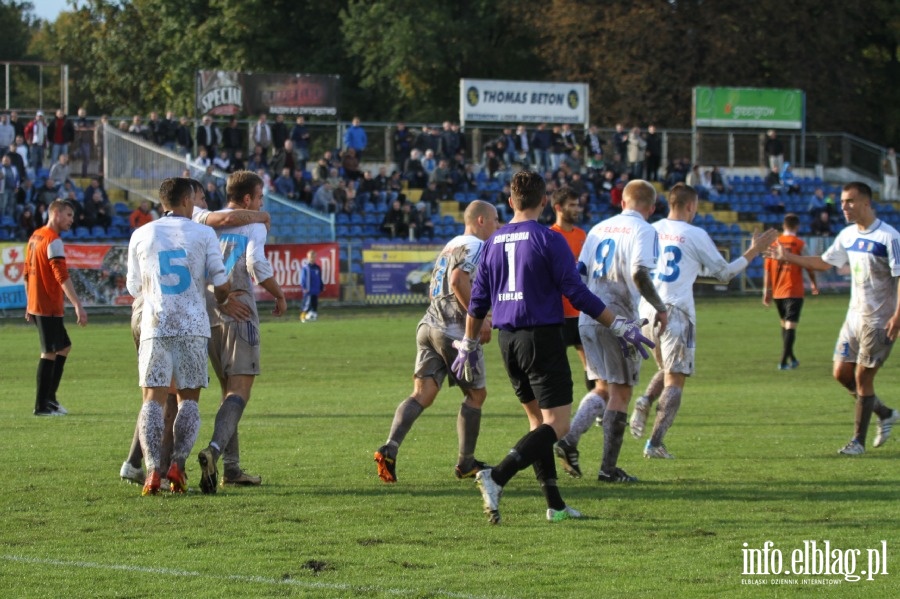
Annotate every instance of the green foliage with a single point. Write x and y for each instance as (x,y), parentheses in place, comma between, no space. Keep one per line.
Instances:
(756,461)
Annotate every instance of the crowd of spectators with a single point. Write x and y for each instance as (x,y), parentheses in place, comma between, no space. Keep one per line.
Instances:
(438,162)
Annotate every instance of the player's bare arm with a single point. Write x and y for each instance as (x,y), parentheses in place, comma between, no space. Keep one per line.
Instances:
(274,289)
(237,218)
(809,262)
(893,325)
(645,286)
(80,314)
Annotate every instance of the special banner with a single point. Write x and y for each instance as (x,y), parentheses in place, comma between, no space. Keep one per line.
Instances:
(233,93)
(523,101)
(749,107)
(98,272)
(398,274)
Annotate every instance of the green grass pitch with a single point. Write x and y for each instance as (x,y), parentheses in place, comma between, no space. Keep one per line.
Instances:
(756,462)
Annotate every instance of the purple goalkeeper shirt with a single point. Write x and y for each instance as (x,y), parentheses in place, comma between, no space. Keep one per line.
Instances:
(525,269)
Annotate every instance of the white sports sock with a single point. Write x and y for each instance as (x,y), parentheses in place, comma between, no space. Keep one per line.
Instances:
(150,425)
(591,406)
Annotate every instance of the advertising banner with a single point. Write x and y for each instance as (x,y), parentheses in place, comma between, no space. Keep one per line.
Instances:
(749,107)
(523,101)
(398,274)
(98,272)
(233,93)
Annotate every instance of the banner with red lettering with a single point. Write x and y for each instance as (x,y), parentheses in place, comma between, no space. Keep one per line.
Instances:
(98,272)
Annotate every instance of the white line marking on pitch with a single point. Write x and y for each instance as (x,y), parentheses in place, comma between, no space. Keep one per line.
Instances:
(234,577)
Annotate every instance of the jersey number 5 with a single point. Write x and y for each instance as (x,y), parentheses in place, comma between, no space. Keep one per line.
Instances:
(168,268)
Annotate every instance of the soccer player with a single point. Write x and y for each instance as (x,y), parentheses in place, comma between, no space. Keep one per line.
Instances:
(444,322)
(618,257)
(47,281)
(784,282)
(522,280)
(685,252)
(872,249)
(131,469)
(169,261)
(234,345)
(568,212)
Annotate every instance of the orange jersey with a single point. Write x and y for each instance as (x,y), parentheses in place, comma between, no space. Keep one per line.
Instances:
(786,279)
(45,269)
(575,238)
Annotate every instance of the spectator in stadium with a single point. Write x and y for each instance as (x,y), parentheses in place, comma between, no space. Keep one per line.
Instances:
(414,172)
(425,141)
(653,153)
(301,137)
(821,225)
(36,138)
(138,128)
(774,150)
(312,284)
(284,184)
(592,142)
(95,185)
(441,326)
(168,129)
(622,274)
(237,162)
(97,211)
(48,192)
(817,203)
(522,145)
(783,282)
(60,133)
(526,307)
(60,171)
(889,168)
(208,136)
(441,176)
(47,281)
(773,202)
(9,184)
(323,199)
(222,162)
(17,124)
(304,188)
(154,128)
(184,141)
(873,320)
(84,136)
(232,137)
(345,196)
(350,164)
(18,156)
(636,152)
(258,159)
(286,156)
(7,134)
(215,200)
(262,134)
(141,215)
(393,222)
(202,161)
(280,132)
(429,163)
(674,351)
(27,224)
(355,137)
(789,183)
(402,140)
(541,145)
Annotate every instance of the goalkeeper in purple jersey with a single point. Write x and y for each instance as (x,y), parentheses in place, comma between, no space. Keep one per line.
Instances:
(521,280)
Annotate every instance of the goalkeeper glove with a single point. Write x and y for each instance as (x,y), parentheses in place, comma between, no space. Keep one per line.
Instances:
(465,366)
(630,337)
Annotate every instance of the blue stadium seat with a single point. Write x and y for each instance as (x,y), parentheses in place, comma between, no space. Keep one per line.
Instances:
(98,232)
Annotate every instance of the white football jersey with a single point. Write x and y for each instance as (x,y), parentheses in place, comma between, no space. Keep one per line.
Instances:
(685,252)
(169,261)
(874,259)
(244,253)
(612,253)
(444,311)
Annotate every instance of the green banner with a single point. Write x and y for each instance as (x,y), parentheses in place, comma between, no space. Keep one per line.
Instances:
(748,107)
